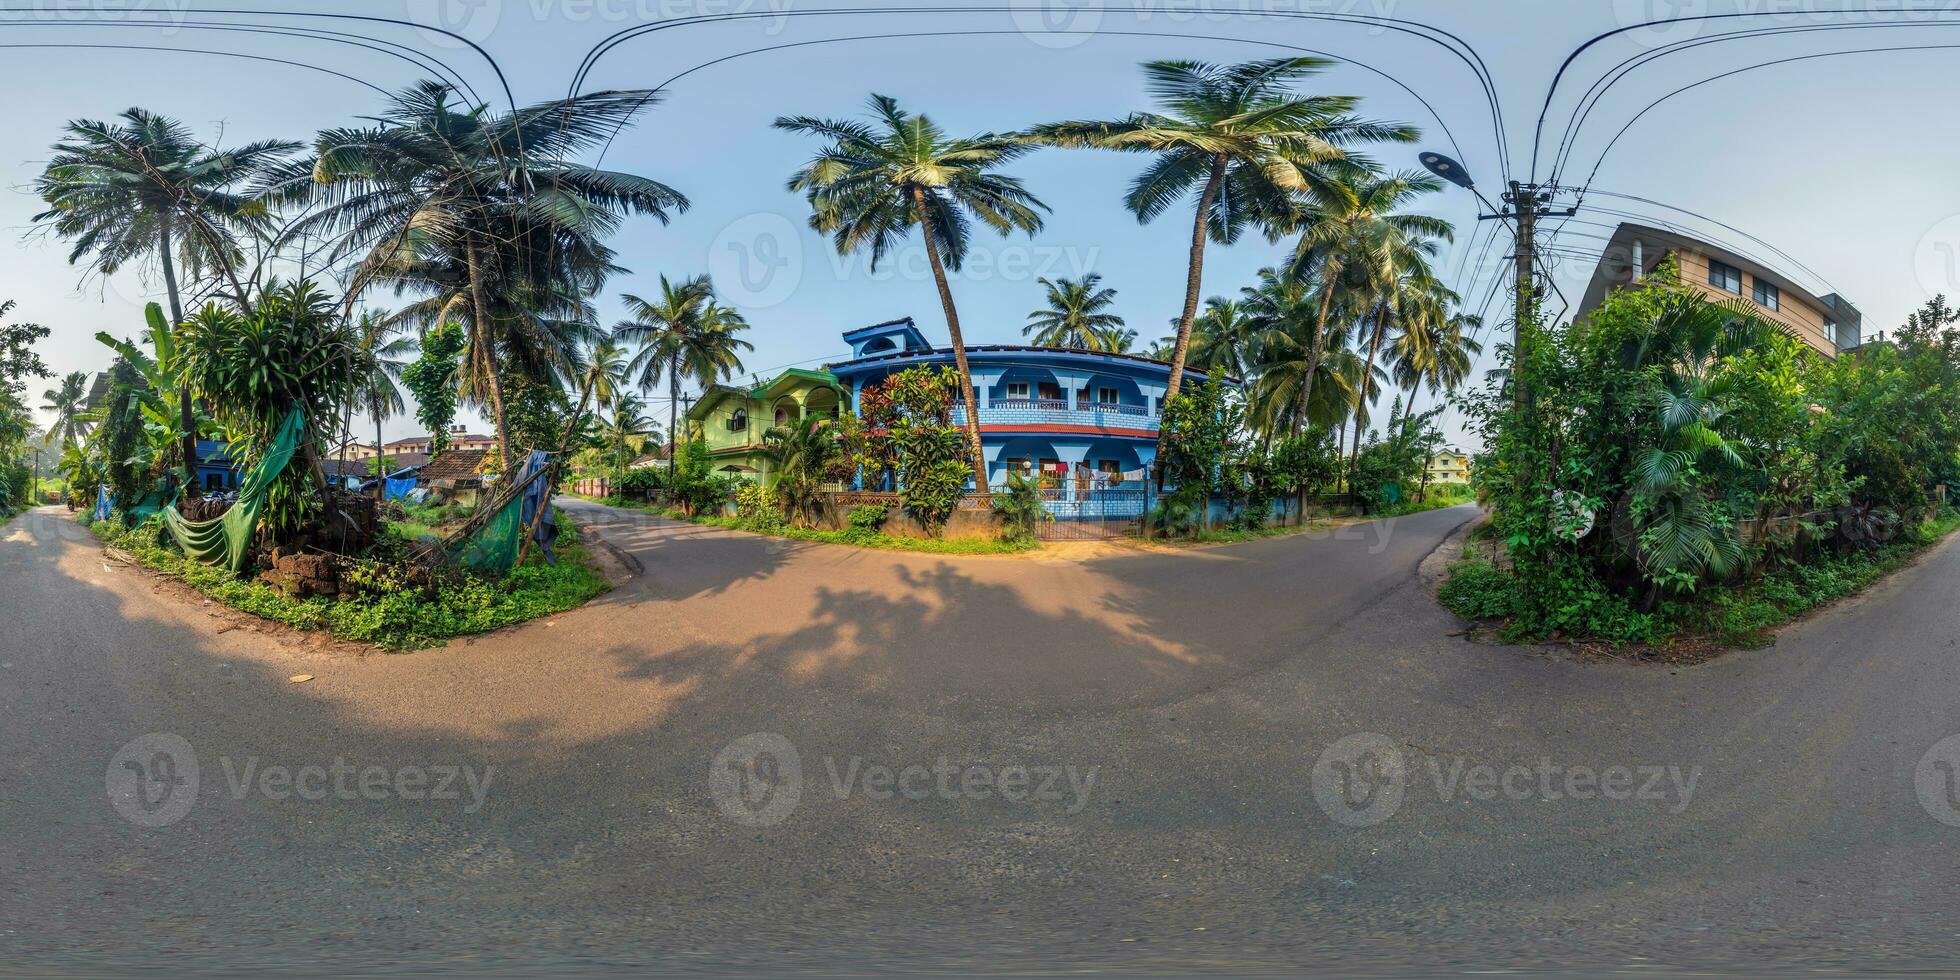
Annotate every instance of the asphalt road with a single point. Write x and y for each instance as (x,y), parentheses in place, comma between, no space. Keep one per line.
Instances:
(1269,756)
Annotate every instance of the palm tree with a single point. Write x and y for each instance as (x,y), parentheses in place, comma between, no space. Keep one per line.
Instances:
(143,186)
(1223,338)
(1238,135)
(67,403)
(627,422)
(1360,242)
(875,181)
(801,454)
(1412,295)
(379,360)
(1283,310)
(1435,352)
(683,334)
(483,212)
(1075,315)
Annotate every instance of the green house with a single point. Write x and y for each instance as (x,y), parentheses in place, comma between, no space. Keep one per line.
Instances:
(733,419)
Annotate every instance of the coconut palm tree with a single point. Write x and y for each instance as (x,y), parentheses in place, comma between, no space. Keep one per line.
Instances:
(143,187)
(1224,338)
(1075,315)
(1361,241)
(1281,312)
(67,403)
(1435,352)
(1239,137)
(683,334)
(379,358)
(874,181)
(801,455)
(487,212)
(628,421)
(1411,297)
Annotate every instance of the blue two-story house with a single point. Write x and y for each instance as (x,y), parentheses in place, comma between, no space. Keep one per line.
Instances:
(1077,419)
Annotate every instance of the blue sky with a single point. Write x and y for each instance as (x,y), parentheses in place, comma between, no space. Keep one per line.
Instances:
(1843,162)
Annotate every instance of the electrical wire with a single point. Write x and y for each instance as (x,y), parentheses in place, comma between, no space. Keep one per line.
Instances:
(367,18)
(1590,101)
(1551,91)
(421,60)
(219,54)
(1462,50)
(1447,133)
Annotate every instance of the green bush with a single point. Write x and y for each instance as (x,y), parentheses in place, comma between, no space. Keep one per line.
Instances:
(1019,509)
(755,508)
(867,523)
(390,606)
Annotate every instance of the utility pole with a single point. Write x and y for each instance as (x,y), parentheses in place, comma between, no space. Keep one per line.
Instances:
(1527,205)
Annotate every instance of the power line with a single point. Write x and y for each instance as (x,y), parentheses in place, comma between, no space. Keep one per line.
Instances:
(1551,91)
(218,54)
(1462,50)
(1447,133)
(1597,93)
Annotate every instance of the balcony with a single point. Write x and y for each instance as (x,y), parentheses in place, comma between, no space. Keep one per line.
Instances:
(1060,411)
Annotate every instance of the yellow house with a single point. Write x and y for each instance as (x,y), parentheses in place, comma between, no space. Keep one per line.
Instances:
(1449,466)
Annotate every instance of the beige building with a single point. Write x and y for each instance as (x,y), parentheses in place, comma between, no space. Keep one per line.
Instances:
(1449,466)
(1829,324)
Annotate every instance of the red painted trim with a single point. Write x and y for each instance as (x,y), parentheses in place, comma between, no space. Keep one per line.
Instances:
(1071,430)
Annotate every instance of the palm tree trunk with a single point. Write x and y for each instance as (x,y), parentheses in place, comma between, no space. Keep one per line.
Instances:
(493,374)
(184,406)
(1319,347)
(1361,390)
(380,466)
(551,472)
(959,343)
(673,403)
(1194,274)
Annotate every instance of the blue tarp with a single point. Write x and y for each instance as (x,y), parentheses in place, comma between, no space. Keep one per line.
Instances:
(534,496)
(398,489)
(104,503)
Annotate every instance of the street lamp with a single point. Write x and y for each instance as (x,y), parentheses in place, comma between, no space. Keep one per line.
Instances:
(1449,170)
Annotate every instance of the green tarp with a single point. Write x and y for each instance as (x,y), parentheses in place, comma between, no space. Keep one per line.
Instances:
(224,540)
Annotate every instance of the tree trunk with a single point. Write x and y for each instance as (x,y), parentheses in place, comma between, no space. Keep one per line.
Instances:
(959,343)
(1319,347)
(1194,274)
(1361,392)
(673,405)
(493,374)
(551,471)
(184,406)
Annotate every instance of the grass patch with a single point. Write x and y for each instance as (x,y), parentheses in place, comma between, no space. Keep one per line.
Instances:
(388,609)
(1724,616)
(855,537)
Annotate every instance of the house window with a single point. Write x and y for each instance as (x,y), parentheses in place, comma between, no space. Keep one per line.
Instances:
(214,481)
(1050,392)
(1111,470)
(1052,472)
(1766,296)
(1019,467)
(1724,276)
(781,416)
(1017,390)
(739,422)
(1106,396)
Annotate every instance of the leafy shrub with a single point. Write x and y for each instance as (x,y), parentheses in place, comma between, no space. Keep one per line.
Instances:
(1476,589)
(642,483)
(1019,509)
(867,523)
(756,508)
